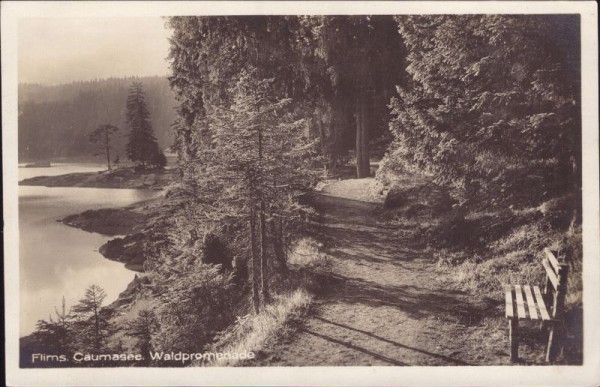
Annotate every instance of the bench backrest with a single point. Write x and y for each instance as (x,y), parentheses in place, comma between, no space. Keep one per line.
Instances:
(556,282)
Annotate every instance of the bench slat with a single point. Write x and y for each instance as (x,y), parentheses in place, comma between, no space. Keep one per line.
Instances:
(520,303)
(550,273)
(509,302)
(552,258)
(541,304)
(530,302)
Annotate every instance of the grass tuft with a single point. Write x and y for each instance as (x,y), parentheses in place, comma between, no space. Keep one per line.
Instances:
(254,332)
(306,254)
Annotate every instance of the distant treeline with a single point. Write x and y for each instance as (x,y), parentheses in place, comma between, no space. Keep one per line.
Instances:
(56,121)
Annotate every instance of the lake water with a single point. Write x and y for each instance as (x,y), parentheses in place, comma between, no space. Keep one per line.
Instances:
(58,260)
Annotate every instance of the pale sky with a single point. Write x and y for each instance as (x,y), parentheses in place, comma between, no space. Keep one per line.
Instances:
(62,50)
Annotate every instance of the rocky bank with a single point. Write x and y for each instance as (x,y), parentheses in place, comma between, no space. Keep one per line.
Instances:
(134,225)
(108,221)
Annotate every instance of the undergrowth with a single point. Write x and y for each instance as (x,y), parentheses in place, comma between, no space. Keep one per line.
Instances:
(254,332)
(481,247)
(515,258)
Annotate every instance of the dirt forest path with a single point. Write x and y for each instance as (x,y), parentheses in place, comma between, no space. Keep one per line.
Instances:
(387,303)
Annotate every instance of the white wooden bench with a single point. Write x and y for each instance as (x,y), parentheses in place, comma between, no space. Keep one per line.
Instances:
(525,302)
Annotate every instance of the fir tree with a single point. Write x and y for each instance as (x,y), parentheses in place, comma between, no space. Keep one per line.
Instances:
(256,165)
(55,335)
(143,327)
(92,326)
(142,146)
(493,106)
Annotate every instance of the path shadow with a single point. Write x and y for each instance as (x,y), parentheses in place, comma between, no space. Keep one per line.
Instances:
(354,347)
(438,356)
(452,306)
(345,222)
(351,230)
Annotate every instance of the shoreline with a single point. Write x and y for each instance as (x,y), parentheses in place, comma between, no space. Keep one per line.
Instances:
(121,178)
(128,225)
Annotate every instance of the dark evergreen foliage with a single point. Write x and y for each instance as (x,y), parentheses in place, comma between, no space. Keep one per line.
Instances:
(207,56)
(364,58)
(143,328)
(340,73)
(91,326)
(56,335)
(493,106)
(142,146)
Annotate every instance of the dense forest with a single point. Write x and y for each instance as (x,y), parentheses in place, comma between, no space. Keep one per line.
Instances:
(484,108)
(55,121)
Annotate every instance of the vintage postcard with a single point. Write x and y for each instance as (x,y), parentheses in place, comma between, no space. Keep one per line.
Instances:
(300,193)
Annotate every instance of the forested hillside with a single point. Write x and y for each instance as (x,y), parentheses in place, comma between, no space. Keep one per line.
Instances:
(56,121)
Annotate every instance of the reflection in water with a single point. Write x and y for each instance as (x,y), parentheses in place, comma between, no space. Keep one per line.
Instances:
(57,260)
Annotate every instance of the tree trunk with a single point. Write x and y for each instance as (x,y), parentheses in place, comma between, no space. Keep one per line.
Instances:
(321,134)
(97,328)
(264,265)
(264,280)
(362,138)
(107,143)
(575,217)
(358,152)
(277,235)
(366,128)
(254,264)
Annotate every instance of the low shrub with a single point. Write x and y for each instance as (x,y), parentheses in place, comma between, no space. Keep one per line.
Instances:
(194,307)
(306,254)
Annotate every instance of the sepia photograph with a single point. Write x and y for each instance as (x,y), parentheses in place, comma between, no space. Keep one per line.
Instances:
(209,189)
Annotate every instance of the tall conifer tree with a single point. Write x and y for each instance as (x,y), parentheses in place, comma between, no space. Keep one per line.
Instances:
(94,328)
(142,146)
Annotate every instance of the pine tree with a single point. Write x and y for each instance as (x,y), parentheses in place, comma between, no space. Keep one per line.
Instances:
(208,54)
(142,146)
(143,327)
(258,164)
(55,335)
(244,84)
(92,326)
(102,135)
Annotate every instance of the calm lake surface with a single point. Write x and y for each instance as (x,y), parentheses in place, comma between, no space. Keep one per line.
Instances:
(57,260)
